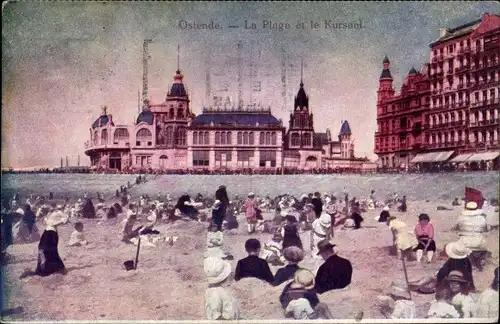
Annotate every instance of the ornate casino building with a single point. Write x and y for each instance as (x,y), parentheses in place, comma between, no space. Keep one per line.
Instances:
(168,136)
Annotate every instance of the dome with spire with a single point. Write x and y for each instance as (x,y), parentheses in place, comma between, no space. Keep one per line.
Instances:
(301,100)
(345,129)
(177,89)
(412,71)
(386,74)
(104,119)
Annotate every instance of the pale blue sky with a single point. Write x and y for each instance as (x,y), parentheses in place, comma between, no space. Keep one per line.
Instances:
(61,61)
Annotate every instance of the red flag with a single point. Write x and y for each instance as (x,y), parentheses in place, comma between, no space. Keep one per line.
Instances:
(475,195)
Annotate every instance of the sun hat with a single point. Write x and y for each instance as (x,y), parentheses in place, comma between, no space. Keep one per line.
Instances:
(456,275)
(216,269)
(386,208)
(400,288)
(303,278)
(251,194)
(471,205)
(324,246)
(309,205)
(457,250)
(293,254)
(325,220)
(304,196)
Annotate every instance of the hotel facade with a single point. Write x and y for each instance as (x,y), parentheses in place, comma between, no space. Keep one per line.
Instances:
(168,136)
(459,125)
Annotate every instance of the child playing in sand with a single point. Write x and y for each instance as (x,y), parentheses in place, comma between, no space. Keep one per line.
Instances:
(220,304)
(215,242)
(398,305)
(77,238)
(300,301)
(272,250)
(440,307)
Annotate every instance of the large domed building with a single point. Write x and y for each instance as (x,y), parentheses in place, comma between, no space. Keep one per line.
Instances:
(168,136)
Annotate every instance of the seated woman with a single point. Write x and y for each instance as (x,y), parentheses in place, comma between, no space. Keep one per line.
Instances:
(424,231)
(458,260)
(186,207)
(384,215)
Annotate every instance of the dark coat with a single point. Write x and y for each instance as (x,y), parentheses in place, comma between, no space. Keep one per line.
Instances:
(335,273)
(6,235)
(290,294)
(48,247)
(284,274)
(88,210)
(291,237)
(463,265)
(318,206)
(253,266)
(29,218)
(188,210)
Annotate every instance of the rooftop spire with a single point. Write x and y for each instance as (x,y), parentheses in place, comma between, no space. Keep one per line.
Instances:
(301,72)
(178,57)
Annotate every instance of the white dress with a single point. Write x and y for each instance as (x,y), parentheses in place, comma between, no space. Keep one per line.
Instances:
(487,304)
(441,309)
(472,225)
(221,304)
(403,309)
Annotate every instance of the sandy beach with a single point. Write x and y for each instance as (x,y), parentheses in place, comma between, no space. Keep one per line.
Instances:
(169,283)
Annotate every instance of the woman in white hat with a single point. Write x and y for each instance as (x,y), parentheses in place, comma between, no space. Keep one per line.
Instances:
(472,225)
(460,288)
(321,230)
(49,261)
(220,304)
(458,260)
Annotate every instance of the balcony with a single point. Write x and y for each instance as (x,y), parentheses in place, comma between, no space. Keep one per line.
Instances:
(492,45)
(482,123)
(116,145)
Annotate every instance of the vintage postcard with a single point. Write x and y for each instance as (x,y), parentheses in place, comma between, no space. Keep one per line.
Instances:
(250,161)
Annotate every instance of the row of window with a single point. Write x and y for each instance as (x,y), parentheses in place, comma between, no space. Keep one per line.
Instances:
(461,116)
(242,138)
(463,81)
(462,63)
(463,45)
(404,105)
(201,157)
(301,121)
(304,140)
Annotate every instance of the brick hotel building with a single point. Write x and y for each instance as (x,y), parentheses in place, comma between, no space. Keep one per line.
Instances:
(460,122)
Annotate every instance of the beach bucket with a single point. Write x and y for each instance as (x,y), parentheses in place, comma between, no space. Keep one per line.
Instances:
(128,265)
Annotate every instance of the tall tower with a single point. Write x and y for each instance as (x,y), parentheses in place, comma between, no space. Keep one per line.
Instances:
(301,128)
(385,90)
(346,142)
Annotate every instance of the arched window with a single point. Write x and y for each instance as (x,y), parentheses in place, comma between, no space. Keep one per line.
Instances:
(181,136)
(169,135)
(250,138)
(104,137)
(295,139)
(268,138)
(262,138)
(446,118)
(245,138)
(144,135)
(440,119)
(273,138)
(434,121)
(228,138)
(195,138)
(217,138)
(163,161)
(207,138)
(96,137)
(120,134)
(223,138)
(240,138)
(180,113)
(171,113)
(306,139)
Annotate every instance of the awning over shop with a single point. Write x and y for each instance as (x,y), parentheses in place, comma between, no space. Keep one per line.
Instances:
(486,156)
(425,157)
(461,158)
(443,156)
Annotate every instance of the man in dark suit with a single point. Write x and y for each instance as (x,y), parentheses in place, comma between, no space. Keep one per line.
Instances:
(252,265)
(335,273)
(318,204)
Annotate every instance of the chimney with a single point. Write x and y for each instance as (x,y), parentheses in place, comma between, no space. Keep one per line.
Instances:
(67,162)
(78,160)
(61,162)
(442,32)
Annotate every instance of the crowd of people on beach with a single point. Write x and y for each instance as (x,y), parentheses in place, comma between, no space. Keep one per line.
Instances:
(318,215)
